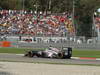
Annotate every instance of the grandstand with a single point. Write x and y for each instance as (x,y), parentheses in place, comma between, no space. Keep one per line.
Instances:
(20,26)
(27,23)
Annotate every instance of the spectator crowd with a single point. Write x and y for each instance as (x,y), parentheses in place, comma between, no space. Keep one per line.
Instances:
(28,23)
(97,21)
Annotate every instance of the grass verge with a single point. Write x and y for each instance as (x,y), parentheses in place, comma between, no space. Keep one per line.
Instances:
(16,50)
(86,53)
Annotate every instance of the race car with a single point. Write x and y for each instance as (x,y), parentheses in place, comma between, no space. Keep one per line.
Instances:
(51,52)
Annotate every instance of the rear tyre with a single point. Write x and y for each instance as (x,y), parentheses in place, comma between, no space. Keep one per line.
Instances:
(60,55)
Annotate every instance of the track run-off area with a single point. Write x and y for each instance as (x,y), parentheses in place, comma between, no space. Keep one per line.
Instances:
(21,58)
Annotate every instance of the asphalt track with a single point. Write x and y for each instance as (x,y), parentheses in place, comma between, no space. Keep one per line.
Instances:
(21,58)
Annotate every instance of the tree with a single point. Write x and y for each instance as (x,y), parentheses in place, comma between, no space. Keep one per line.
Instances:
(83,16)
(10,4)
(61,6)
(30,4)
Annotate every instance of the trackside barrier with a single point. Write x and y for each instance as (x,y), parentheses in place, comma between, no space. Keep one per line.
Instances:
(45,45)
(58,45)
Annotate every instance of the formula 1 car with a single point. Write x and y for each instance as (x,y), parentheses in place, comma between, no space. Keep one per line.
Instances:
(51,52)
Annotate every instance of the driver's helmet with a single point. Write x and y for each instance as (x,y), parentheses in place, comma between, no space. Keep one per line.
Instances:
(50,47)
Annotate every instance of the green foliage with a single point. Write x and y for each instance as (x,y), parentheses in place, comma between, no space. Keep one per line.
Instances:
(10,4)
(84,10)
(61,5)
(42,5)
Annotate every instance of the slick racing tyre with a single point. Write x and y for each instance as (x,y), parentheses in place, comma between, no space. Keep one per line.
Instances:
(60,55)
